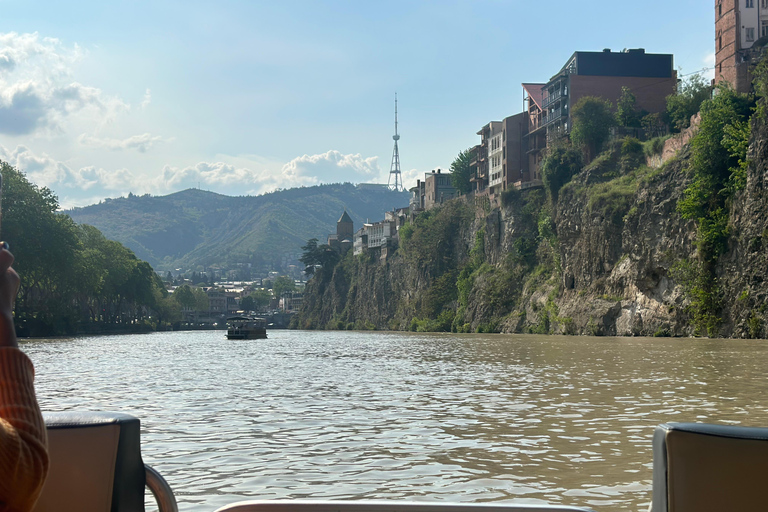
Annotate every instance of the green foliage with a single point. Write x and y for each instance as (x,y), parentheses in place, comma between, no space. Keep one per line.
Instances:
(632,154)
(701,287)
(592,121)
(317,257)
(70,275)
(718,168)
(653,125)
(261,298)
(687,100)
(405,232)
(561,163)
(282,285)
(461,172)
(655,146)
(626,109)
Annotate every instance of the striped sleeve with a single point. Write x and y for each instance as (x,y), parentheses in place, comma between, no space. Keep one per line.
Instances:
(23,441)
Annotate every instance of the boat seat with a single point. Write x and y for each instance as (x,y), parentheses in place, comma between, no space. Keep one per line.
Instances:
(703,467)
(96,465)
(385,506)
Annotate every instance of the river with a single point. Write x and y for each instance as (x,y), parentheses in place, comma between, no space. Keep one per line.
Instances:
(351,415)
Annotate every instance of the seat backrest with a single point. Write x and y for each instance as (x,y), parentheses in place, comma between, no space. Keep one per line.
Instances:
(95,464)
(385,506)
(700,467)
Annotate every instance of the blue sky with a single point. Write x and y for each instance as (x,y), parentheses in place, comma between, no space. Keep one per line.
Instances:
(98,99)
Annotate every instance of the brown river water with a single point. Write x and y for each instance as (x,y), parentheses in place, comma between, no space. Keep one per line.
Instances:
(426,417)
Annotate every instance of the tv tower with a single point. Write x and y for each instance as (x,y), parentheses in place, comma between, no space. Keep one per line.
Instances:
(394,169)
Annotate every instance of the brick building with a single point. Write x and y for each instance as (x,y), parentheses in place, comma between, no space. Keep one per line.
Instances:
(739,24)
(650,77)
(437,188)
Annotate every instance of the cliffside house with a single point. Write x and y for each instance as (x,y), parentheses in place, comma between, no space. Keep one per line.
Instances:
(650,76)
(510,151)
(437,188)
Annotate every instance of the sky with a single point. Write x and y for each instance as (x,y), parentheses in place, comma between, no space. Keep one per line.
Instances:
(99,99)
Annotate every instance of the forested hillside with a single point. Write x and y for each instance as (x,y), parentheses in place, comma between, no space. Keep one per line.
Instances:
(194,227)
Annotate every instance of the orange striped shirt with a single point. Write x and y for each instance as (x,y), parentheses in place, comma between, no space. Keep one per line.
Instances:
(23,440)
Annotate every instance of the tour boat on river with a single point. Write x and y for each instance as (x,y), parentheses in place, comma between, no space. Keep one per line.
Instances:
(246,328)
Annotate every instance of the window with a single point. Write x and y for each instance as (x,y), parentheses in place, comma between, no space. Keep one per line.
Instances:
(720,9)
(750,34)
(765,4)
(764,31)
(750,3)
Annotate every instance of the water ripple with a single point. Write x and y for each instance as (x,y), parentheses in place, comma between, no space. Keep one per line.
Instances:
(476,418)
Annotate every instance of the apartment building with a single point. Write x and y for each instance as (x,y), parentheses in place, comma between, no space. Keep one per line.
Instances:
(536,136)
(438,188)
(650,77)
(739,24)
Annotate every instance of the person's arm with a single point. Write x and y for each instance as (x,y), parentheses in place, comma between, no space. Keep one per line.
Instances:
(23,441)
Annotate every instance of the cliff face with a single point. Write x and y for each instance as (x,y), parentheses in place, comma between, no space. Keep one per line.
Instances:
(598,260)
(743,273)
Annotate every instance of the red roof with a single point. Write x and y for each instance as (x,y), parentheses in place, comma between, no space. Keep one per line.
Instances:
(536,93)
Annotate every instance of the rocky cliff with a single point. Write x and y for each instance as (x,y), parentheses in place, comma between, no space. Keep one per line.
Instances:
(600,258)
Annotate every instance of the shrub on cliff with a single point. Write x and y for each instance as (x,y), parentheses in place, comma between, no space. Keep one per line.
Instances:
(561,163)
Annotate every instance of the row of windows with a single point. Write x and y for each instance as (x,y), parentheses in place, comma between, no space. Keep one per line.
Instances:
(749,4)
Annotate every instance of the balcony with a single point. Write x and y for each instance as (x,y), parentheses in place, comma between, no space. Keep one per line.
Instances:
(552,116)
(556,95)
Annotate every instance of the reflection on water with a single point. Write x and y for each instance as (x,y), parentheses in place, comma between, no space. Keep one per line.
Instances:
(337,415)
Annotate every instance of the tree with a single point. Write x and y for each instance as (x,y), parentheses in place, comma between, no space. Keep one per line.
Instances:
(322,256)
(261,298)
(560,164)
(687,101)
(184,296)
(283,284)
(461,172)
(626,109)
(247,303)
(653,125)
(592,121)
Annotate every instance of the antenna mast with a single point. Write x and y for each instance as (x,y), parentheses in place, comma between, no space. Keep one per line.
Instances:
(394,169)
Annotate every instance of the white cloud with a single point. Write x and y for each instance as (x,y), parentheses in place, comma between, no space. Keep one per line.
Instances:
(330,167)
(141,143)
(147,99)
(41,169)
(36,90)
(226,178)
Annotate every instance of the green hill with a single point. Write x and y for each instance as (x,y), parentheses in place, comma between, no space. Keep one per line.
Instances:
(194,227)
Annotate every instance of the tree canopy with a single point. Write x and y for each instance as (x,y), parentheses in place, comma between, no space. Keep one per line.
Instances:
(461,172)
(317,256)
(687,101)
(592,122)
(626,109)
(70,275)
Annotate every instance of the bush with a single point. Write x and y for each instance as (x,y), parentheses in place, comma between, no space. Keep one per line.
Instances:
(559,166)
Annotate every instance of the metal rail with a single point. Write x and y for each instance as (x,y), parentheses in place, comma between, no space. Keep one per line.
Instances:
(166,501)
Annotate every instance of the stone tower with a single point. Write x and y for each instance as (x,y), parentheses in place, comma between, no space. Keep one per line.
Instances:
(344,227)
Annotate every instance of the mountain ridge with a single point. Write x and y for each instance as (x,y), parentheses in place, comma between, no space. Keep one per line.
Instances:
(192,228)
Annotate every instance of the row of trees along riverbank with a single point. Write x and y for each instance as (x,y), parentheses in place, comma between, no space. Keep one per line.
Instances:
(72,278)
